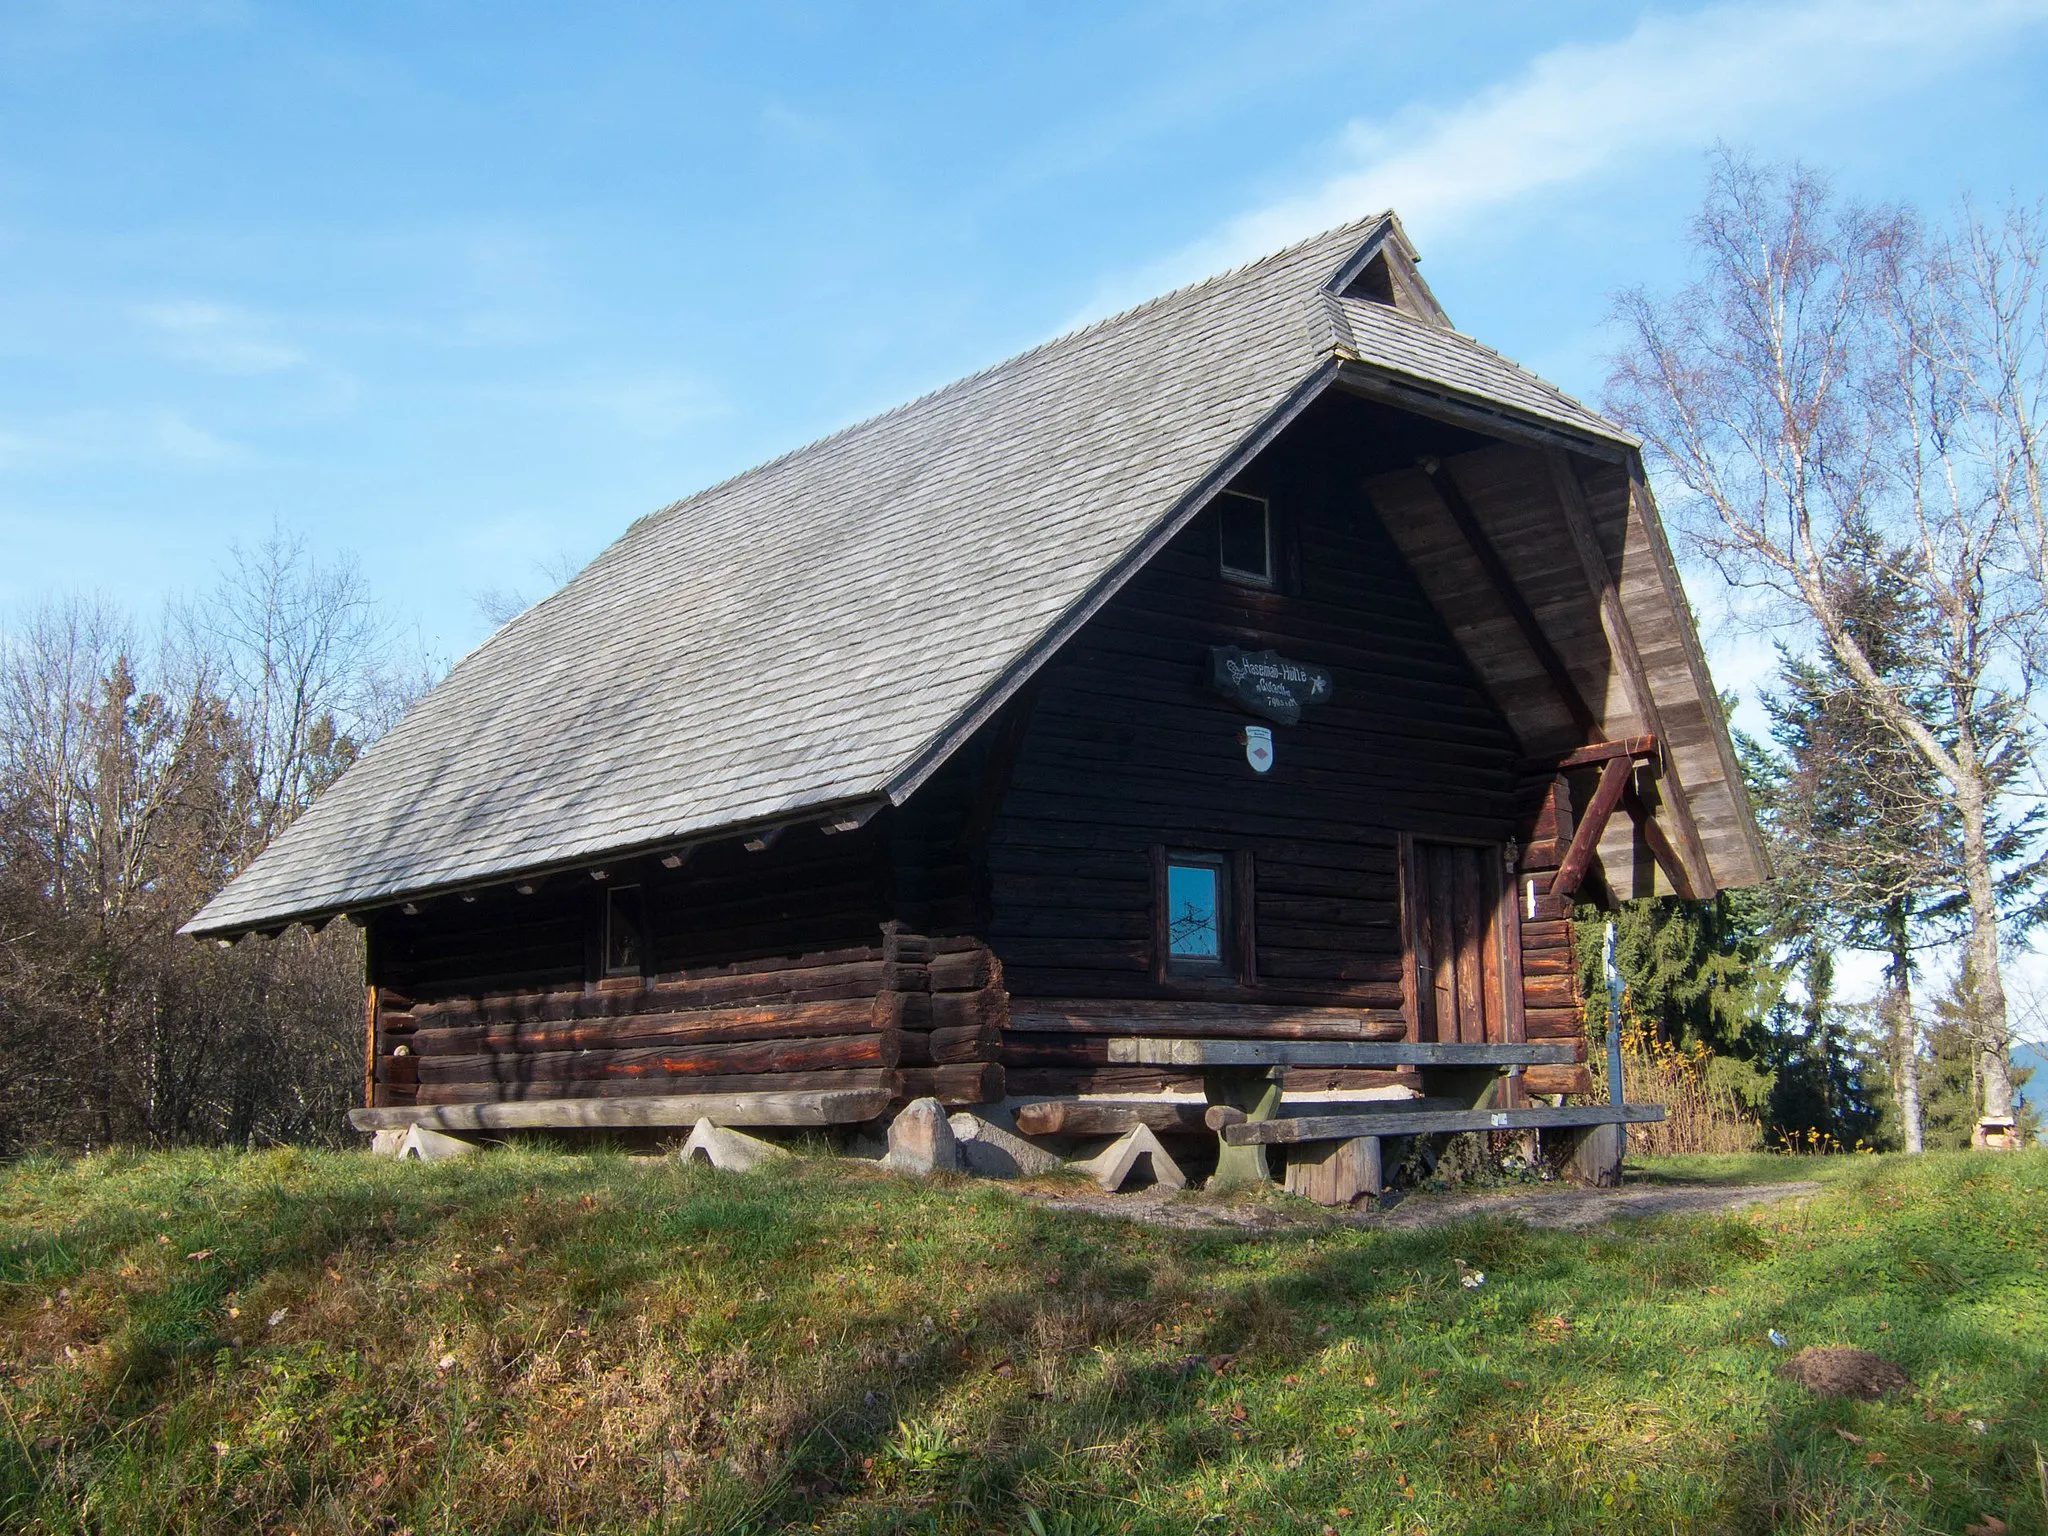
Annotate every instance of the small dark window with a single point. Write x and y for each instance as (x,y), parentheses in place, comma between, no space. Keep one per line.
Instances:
(1197,915)
(1244,538)
(624,932)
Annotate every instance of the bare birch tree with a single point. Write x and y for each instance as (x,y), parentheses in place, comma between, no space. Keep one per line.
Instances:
(1839,388)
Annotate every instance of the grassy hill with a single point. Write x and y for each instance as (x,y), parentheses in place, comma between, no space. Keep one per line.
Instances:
(536,1341)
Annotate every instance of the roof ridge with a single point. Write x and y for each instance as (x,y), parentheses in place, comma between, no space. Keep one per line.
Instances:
(991,369)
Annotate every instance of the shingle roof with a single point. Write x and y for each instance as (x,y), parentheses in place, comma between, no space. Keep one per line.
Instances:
(819,630)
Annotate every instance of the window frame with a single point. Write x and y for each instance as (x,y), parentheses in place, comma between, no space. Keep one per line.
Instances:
(1222,966)
(1269,579)
(605,969)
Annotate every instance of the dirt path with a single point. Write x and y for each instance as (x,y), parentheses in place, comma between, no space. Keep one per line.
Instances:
(1548,1205)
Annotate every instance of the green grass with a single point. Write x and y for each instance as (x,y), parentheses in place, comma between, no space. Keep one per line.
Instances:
(306,1342)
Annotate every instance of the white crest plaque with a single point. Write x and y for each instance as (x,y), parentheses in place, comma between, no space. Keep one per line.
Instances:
(1258,747)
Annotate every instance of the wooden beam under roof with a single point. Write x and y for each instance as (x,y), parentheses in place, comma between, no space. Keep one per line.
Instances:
(1586,840)
(1511,599)
(1578,522)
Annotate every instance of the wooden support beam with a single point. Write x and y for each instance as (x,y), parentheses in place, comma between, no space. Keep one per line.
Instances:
(370,1046)
(1511,598)
(1621,640)
(1606,796)
(1659,845)
(1600,752)
(661,1112)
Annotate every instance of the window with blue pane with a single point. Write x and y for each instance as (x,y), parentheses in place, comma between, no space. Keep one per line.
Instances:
(1197,916)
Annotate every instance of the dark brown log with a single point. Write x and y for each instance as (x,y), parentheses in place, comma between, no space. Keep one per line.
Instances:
(969,1042)
(1101,1117)
(1557,1079)
(969,1083)
(878,1048)
(953,1010)
(1556,1024)
(965,971)
(767,1082)
(1173,1017)
(1069,1081)
(699,1027)
(1558,991)
(399,1071)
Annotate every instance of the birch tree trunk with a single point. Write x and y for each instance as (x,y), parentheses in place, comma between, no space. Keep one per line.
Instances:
(1904,1032)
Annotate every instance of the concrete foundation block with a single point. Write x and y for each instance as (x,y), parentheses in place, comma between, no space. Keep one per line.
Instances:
(1133,1157)
(995,1153)
(427,1146)
(729,1150)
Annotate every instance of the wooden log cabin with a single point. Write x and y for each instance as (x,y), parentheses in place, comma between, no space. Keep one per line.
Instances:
(1271,661)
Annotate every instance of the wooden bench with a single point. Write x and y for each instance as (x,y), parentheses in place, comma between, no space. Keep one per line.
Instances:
(1334,1158)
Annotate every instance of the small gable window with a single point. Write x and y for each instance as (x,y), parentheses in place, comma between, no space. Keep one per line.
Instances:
(1244,539)
(624,932)
(1195,917)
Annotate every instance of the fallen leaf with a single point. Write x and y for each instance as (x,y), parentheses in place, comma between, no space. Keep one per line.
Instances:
(277,1317)
(1872,1458)
(1852,1439)
(446,1363)
(204,1253)
(1988,1525)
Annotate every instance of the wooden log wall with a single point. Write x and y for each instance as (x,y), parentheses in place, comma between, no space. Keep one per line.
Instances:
(1128,748)
(907,1013)
(1550,971)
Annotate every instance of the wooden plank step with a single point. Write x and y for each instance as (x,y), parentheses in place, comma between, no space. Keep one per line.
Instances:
(653,1111)
(1139,1050)
(1434,1122)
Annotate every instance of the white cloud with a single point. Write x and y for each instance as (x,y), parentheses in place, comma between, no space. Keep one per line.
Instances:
(1587,109)
(219,338)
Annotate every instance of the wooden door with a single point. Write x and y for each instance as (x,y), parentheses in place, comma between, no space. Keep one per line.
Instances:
(1452,901)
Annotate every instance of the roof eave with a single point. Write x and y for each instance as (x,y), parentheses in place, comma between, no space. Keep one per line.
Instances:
(857,810)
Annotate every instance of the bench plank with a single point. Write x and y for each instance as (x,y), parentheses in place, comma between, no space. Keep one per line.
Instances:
(1149,1051)
(1433,1122)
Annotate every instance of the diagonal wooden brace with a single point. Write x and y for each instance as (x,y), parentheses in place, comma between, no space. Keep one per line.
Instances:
(1614,779)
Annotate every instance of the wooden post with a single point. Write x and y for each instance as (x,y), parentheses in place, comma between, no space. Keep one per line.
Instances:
(370,1045)
(1334,1172)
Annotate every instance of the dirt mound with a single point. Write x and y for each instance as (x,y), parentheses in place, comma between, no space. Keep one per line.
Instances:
(1834,1370)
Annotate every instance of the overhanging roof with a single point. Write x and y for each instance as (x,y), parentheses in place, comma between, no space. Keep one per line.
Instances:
(825,629)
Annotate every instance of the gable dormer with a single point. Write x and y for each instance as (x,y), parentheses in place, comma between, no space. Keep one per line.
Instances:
(1384,270)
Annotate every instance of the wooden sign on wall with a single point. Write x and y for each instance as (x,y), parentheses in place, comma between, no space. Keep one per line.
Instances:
(1267,683)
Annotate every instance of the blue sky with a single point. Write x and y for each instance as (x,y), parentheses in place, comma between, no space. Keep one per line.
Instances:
(465,288)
